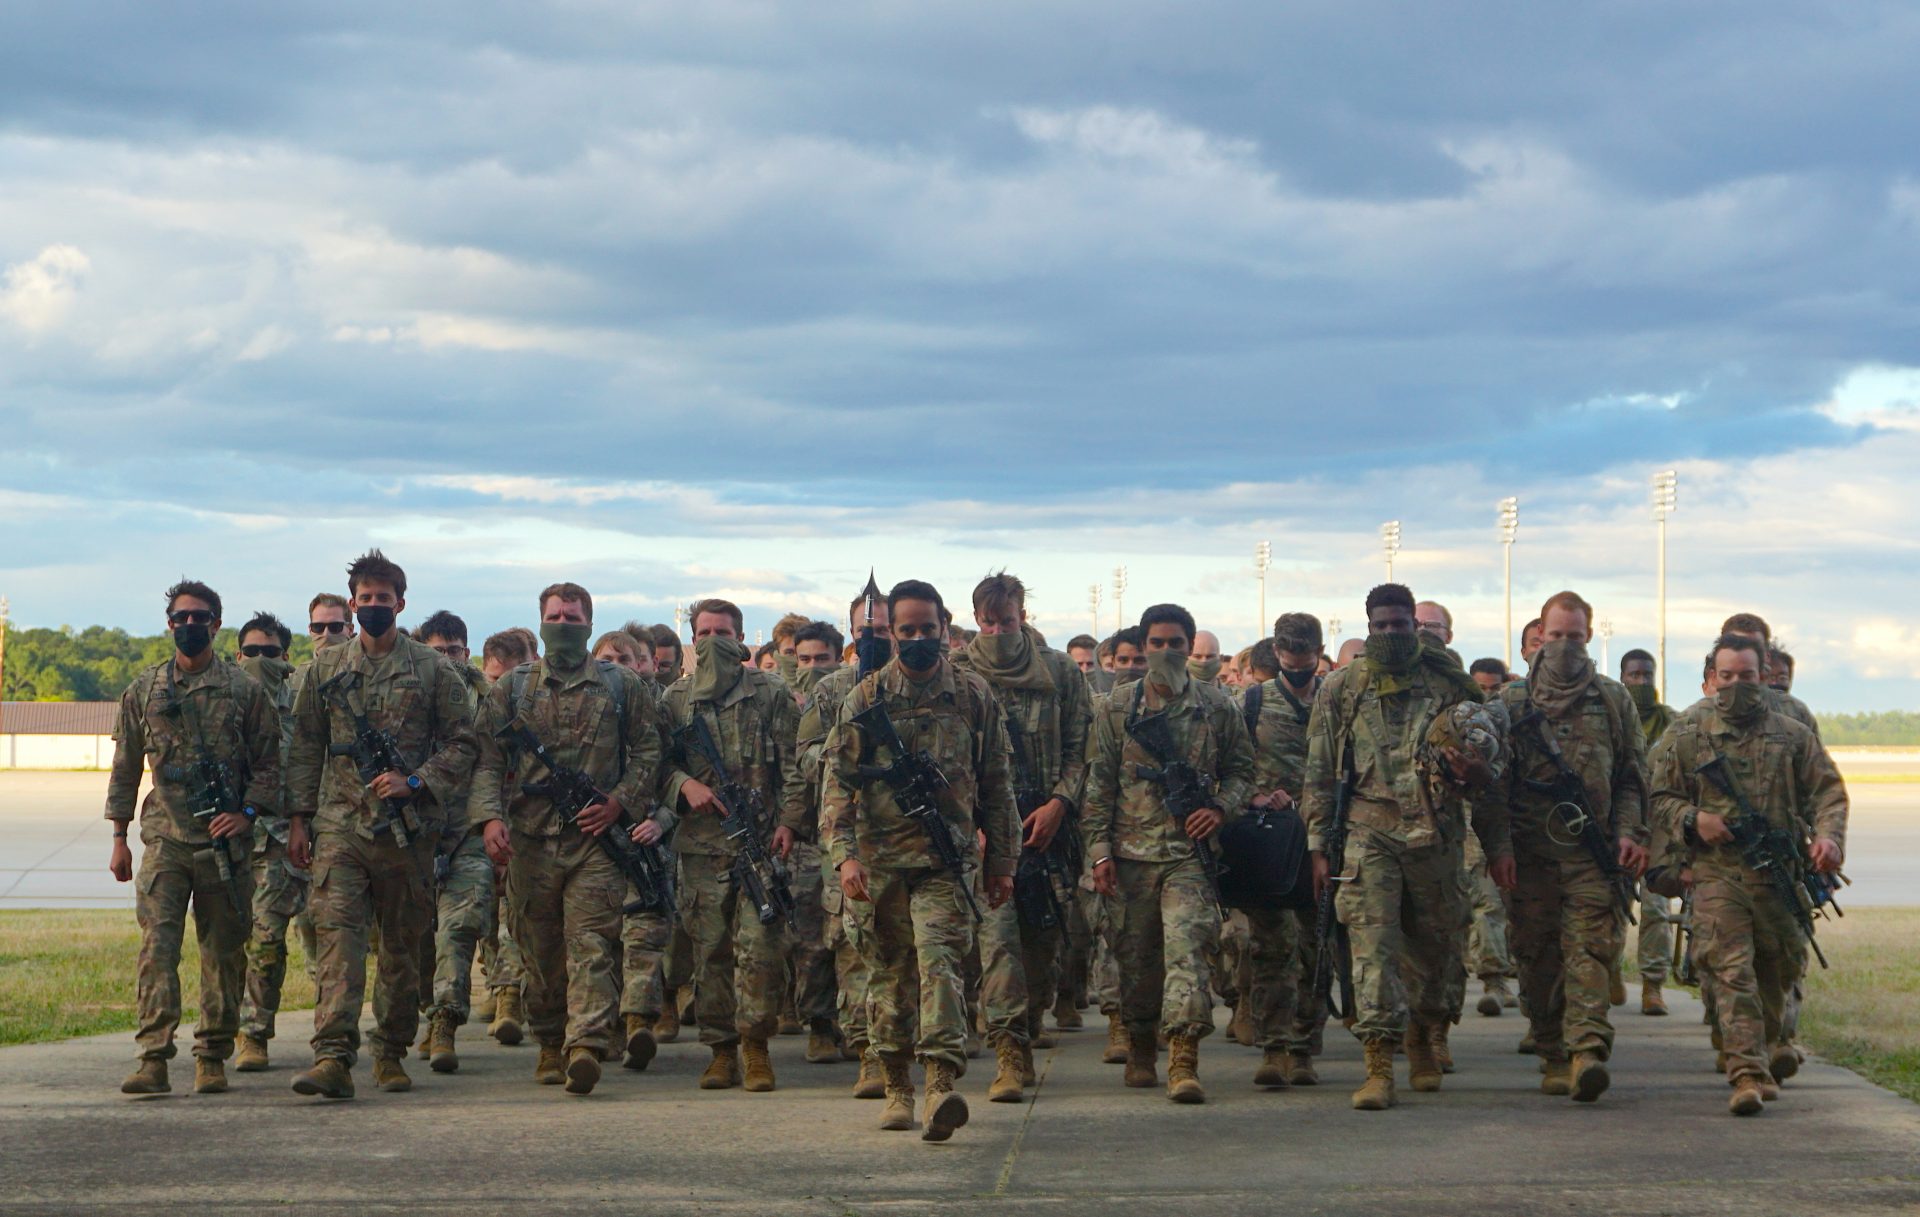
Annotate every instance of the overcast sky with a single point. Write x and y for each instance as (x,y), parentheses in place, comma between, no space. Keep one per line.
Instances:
(740,299)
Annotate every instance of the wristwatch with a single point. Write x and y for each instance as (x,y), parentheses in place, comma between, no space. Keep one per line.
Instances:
(1689,826)
(248,811)
(413,781)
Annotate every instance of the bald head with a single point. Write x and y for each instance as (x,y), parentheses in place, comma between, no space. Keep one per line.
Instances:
(1350,650)
(1206,646)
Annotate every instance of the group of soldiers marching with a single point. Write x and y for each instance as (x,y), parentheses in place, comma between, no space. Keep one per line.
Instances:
(932,840)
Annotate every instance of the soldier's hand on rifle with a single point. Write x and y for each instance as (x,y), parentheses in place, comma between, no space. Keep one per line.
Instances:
(498,841)
(1043,823)
(646,832)
(1204,823)
(783,842)
(1504,873)
(853,880)
(999,890)
(227,824)
(1633,857)
(1712,829)
(120,861)
(698,796)
(598,817)
(1322,874)
(299,842)
(1825,856)
(1106,877)
(390,785)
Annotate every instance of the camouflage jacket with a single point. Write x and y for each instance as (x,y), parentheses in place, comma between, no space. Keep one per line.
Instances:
(165,717)
(458,822)
(953,716)
(412,694)
(573,715)
(1793,708)
(281,693)
(1126,815)
(1654,723)
(1393,796)
(1603,743)
(1053,727)
(1280,737)
(753,725)
(1778,764)
(819,715)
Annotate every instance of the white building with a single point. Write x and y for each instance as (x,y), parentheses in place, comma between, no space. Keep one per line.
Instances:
(56,734)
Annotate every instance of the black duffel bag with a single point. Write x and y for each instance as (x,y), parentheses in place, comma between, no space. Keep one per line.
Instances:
(1263,860)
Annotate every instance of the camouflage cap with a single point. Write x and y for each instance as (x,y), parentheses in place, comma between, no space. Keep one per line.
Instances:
(1469,727)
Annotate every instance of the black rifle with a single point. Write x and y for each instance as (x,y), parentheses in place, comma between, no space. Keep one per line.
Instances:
(1772,853)
(571,792)
(1570,795)
(754,871)
(373,752)
(216,792)
(1331,957)
(1183,788)
(1042,873)
(917,784)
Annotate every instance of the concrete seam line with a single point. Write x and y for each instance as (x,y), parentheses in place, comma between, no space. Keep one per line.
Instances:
(1026,1119)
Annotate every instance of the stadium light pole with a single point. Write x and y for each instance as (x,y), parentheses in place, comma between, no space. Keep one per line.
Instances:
(1605,629)
(1119,598)
(1333,633)
(1262,563)
(3,649)
(1509,523)
(1390,541)
(1665,485)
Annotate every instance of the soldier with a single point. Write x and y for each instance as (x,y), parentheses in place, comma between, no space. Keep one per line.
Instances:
(1490,674)
(922,926)
(1752,625)
(1745,939)
(810,957)
(279,889)
(1164,904)
(329,621)
(1128,656)
(565,892)
(499,954)
(1568,923)
(370,839)
(1400,896)
(1044,700)
(1655,939)
(1204,664)
(213,739)
(1779,671)
(1530,640)
(668,656)
(739,959)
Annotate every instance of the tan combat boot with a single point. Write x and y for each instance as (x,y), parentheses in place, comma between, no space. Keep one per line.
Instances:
(1116,1053)
(666,1029)
(946,1109)
(1652,1002)
(1183,1070)
(1556,1075)
(1489,1003)
(507,1017)
(1617,985)
(1442,1051)
(327,1077)
(1746,1099)
(1027,1075)
(1005,1087)
(426,1039)
(1273,1069)
(209,1076)
(148,1077)
(1376,1093)
(822,1048)
(1589,1078)
(1300,1070)
(1240,1030)
(583,1070)
(1065,1016)
(483,1008)
(390,1075)
(723,1071)
(1423,1071)
(1783,1062)
(757,1073)
(898,1087)
(872,1082)
(1142,1051)
(640,1045)
(252,1057)
(441,1057)
(551,1068)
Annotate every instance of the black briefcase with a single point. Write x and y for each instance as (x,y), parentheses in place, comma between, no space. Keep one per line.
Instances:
(1263,857)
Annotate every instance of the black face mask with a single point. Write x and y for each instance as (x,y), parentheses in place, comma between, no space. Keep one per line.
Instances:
(192,640)
(375,619)
(920,654)
(873,652)
(1299,678)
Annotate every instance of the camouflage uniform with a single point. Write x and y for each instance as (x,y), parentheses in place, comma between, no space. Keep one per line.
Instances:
(1284,1013)
(1164,914)
(1744,942)
(1401,900)
(279,887)
(920,921)
(358,876)
(1048,702)
(739,977)
(499,953)
(165,717)
(849,923)
(465,895)
(1654,958)
(566,893)
(810,962)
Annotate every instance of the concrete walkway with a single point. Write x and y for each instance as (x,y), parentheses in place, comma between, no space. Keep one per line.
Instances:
(487,1140)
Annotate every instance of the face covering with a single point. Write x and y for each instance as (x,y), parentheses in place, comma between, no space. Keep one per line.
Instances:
(1125,676)
(1645,697)
(330,640)
(1002,652)
(1742,704)
(787,666)
(269,672)
(872,653)
(565,644)
(920,654)
(716,667)
(1206,671)
(192,640)
(805,678)
(1299,678)
(1393,652)
(1563,658)
(1776,686)
(1167,670)
(375,619)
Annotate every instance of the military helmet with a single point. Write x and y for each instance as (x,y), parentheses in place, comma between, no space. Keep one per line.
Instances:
(1479,727)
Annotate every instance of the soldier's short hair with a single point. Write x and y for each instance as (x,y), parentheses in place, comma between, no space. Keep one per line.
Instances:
(642,635)
(1082,640)
(508,648)
(267,623)
(196,589)
(620,641)
(1489,665)
(1106,646)
(1397,595)
(917,589)
(1638,653)
(376,566)
(787,625)
(960,635)
(1445,616)
(821,631)
(664,635)
(1158,614)
(331,600)
(530,639)
(569,593)
(763,650)
(1572,602)
(999,592)
(1261,657)
(1735,642)
(1133,636)
(1777,658)
(1746,623)
(1297,632)
(1536,624)
(442,624)
(715,605)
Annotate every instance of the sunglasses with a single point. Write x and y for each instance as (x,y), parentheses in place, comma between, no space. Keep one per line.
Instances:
(326,627)
(452,650)
(191,617)
(260,652)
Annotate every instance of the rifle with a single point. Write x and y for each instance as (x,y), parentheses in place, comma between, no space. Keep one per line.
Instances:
(1041,873)
(571,792)
(1570,794)
(917,784)
(1184,789)
(1331,958)
(373,752)
(1683,970)
(1772,853)
(216,793)
(754,871)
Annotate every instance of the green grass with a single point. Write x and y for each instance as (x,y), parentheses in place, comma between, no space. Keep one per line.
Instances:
(68,972)
(1860,1013)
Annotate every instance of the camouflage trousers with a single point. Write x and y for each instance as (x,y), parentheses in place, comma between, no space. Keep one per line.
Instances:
(849,933)
(1489,952)
(810,961)
(565,897)
(465,907)
(1076,952)
(643,940)
(1753,954)
(174,878)
(499,953)
(1230,958)
(1269,983)
(1655,949)
(1566,935)
(361,884)
(1305,1031)
(1164,918)
(279,897)
(1103,976)
(739,965)
(920,933)
(1018,972)
(1404,909)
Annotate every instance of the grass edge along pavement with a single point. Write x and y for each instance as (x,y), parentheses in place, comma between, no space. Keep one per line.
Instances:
(1859,1014)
